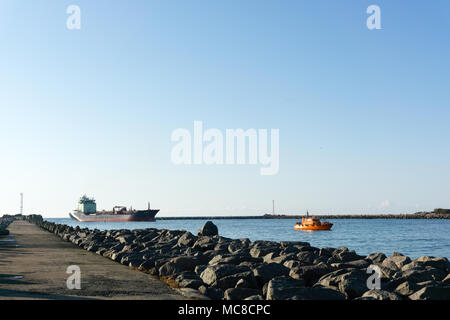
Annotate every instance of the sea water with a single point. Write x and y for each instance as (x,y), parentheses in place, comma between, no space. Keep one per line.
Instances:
(411,237)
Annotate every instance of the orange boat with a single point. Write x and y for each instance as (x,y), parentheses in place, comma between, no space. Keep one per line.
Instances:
(312,223)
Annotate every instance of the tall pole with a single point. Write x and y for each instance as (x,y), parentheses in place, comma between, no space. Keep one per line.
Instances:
(21,203)
(273,207)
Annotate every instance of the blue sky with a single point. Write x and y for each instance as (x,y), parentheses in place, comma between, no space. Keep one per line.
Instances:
(363,114)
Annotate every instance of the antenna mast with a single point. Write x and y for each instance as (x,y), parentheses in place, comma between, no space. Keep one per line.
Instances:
(21,203)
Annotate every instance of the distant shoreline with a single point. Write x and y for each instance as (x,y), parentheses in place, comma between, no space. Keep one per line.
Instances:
(347,216)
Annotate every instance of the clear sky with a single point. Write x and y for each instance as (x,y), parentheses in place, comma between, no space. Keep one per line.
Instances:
(364,115)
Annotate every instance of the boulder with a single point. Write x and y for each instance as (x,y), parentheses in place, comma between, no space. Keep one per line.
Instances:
(421,275)
(231,281)
(396,262)
(377,257)
(208,229)
(205,243)
(213,293)
(310,274)
(432,293)
(446,280)
(381,295)
(438,263)
(318,293)
(186,263)
(238,245)
(240,293)
(345,255)
(169,269)
(255,298)
(186,240)
(213,273)
(282,288)
(407,288)
(267,271)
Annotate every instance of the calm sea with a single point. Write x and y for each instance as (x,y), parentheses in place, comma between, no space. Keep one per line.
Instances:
(413,237)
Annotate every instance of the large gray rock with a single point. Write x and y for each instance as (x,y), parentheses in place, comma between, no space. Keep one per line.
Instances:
(310,274)
(282,288)
(267,271)
(208,229)
(351,282)
(213,273)
(438,263)
(240,293)
(421,275)
(186,263)
(211,292)
(407,288)
(377,257)
(345,255)
(432,293)
(318,293)
(187,239)
(170,269)
(396,262)
(381,295)
(232,280)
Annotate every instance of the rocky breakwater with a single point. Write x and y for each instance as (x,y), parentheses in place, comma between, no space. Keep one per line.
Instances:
(240,269)
(5,221)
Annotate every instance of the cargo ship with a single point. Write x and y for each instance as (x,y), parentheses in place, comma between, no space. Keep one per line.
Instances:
(87,211)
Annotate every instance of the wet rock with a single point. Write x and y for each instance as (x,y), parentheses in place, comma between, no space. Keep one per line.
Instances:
(208,229)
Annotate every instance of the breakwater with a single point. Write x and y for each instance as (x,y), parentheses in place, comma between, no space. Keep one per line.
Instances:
(236,269)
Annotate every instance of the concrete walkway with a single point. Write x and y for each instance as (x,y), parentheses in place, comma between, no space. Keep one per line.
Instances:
(33,265)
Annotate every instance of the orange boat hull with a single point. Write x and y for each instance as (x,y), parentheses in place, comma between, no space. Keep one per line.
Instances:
(324,226)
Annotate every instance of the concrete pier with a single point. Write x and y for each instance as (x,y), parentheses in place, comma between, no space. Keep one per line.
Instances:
(33,265)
